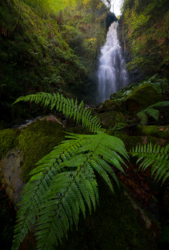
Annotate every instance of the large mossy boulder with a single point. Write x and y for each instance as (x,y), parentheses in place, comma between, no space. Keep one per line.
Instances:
(110,105)
(7,140)
(37,140)
(142,97)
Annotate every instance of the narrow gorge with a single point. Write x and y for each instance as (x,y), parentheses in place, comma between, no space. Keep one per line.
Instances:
(84,125)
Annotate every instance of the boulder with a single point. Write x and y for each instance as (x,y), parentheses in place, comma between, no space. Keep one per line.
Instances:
(110,105)
(10,168)
(142,97)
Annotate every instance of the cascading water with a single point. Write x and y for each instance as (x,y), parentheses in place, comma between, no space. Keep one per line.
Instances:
(112,74)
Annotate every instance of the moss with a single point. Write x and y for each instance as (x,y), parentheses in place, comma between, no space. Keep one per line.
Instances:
(109,119)
(153,130)
(142,97)
(110,105)
(114,225)
(37,140)
(7,140)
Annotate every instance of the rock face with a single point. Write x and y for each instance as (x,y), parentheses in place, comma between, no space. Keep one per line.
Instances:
(10,168)
(135,75)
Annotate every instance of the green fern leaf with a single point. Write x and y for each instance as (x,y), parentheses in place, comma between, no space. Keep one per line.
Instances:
(57,196)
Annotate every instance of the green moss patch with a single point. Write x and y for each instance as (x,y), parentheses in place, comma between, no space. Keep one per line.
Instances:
(153,130)
(142,97)
(109,119)
(7,140)
(110,105)
(37,140)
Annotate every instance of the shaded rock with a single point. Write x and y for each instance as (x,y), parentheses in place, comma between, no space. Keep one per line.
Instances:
(10,168)
(110,105)
(142,97)
(133,141)
(110,18)
(109,119)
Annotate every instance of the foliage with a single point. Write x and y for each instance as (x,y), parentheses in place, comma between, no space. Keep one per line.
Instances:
(154,156)
(82,155)
(146,34)
(72,165)
(161,85)
(49,51)
(117,127)
(151,111)
(67,106)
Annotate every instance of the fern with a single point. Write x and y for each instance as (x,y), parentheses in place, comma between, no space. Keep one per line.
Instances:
(161,85)
(156,156)
(148,111)
(67,106)
(63,182)
(151,111)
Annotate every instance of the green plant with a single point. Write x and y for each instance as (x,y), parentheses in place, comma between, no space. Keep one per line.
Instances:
(156,156)
(118,127)
(161,85)
(67,106)
(151,111)
(71,165)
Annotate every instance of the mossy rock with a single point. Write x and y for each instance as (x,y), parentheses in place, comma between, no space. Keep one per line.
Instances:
(110,105)
(153,130)
(115,225)
(109,119)
(142,97)
(37,140)
(7,140)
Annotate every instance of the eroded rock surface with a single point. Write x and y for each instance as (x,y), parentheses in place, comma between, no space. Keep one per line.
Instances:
(10,168)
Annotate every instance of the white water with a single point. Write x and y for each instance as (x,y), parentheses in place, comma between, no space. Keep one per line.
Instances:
(112,74)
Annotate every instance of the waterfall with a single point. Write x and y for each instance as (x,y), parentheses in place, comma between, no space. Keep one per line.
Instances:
(112,74)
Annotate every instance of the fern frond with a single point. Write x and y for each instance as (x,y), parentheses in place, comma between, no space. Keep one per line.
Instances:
(156,156)
(68,107)
(63,182)
(151,112)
